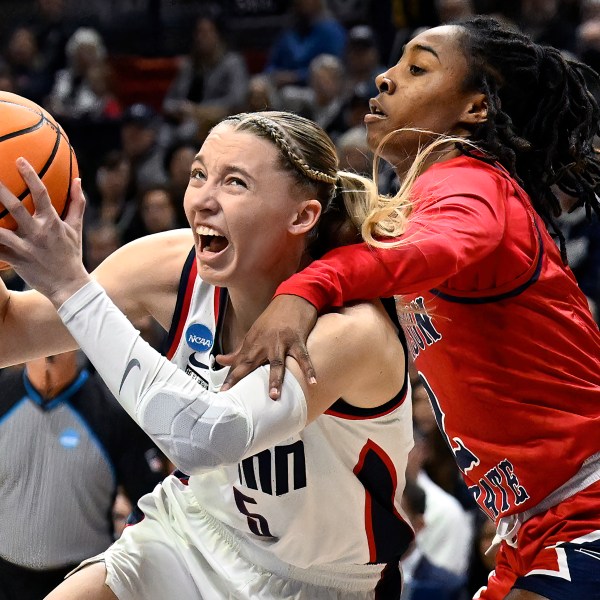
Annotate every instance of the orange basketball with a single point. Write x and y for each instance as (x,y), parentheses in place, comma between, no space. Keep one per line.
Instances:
(27,130)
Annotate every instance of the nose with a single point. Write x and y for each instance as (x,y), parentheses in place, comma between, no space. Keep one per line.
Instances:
(384,84)
(202,200)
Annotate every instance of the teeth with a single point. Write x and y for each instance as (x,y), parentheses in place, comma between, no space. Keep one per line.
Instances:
(202,230)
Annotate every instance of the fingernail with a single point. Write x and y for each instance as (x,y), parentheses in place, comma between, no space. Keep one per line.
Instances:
(21,162)
(312,380)
(273,392)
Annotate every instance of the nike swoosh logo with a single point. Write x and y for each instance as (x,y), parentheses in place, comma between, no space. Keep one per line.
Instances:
(194,361)
(134,362)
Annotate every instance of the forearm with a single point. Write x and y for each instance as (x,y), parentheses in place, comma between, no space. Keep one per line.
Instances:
(438,244)
(197,429)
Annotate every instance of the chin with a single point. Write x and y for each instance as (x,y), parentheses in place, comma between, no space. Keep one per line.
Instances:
(216,277)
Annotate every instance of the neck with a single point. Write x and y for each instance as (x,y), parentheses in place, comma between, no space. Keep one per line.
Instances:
(402,165)
(50,382)
(248,299)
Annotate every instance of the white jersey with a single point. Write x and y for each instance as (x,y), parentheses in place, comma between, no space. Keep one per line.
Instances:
(329,495)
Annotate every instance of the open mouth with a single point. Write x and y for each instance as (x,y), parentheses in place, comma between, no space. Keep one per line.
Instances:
(211,240)
(375,109)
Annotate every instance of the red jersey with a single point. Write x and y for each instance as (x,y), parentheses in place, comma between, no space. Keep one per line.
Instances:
(500,332)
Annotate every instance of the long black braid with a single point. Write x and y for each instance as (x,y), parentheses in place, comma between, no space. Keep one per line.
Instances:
(542,116)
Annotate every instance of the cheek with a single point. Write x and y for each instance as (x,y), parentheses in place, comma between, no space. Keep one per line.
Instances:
(261,232)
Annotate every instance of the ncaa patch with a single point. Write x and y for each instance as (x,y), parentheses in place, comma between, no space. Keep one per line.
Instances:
(199,337)
(69,438)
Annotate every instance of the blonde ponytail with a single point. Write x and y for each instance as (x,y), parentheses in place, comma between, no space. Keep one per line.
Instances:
(387,217)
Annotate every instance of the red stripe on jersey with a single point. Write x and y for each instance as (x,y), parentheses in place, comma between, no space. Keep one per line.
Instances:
(216,301)
(184,310)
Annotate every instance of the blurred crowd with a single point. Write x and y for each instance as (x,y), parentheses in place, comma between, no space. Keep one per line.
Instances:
(137,85)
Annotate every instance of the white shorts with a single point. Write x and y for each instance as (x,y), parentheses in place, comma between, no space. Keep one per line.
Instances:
(180,551)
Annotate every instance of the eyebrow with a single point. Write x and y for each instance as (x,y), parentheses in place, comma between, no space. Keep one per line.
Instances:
(424,48)
(230,169)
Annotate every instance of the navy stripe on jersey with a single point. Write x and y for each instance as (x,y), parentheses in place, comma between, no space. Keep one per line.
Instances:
(221,299)
(184,294)
(343,410)
(389,586)
(538,267)
(498,297)
(388,534)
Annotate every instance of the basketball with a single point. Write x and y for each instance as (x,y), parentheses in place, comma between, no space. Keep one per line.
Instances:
(28,130)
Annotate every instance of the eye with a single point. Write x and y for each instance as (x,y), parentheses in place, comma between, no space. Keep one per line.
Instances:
(414,70)
(197,174)
(236,182)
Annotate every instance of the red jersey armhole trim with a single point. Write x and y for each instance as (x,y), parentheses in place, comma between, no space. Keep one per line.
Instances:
(184,310)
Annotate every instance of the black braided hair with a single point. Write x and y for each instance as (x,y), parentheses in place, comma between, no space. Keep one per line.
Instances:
(542,116)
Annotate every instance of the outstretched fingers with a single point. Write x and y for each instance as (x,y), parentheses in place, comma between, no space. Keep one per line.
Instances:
(45,250)
(39,194)
(76,208)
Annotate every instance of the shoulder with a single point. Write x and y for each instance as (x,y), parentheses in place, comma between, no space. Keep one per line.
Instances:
(330,26)
(141,275)
(153,256)
(356,321)
(364,342)
(233,59)
(464,176)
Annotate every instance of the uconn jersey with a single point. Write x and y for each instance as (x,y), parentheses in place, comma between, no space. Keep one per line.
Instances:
(330,494)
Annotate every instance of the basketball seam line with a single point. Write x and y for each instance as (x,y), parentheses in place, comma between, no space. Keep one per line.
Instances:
(46,166)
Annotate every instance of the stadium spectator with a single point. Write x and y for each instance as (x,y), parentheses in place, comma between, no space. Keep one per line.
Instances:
(113,202)
(76,94)
(26,65)
(323,100)
(212,81)
(155,212)
(422,578)
(311,33)
(361,60)
(141,144)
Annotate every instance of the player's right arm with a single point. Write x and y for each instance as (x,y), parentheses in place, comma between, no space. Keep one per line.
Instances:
(141,278)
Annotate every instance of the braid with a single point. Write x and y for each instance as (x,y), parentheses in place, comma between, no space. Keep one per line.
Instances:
(289,150)
(542,118)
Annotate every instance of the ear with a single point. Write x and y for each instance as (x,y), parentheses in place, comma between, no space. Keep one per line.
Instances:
(306,217)
(476,111)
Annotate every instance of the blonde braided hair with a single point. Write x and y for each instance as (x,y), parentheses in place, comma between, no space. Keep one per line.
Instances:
(289,149)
